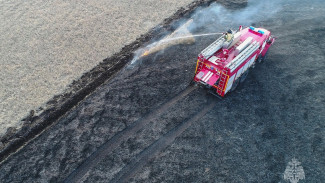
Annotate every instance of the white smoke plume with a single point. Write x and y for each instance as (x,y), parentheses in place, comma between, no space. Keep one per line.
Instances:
(218,18)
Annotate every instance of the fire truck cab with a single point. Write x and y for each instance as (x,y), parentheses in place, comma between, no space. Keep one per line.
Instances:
(224,64)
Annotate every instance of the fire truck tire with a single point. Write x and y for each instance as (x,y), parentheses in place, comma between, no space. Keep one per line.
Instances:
(261,58)
(191,83)
(234,85)
(265,56)
(243,76)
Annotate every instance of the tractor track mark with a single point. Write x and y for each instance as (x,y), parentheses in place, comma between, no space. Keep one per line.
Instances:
(154,149)
(117,139)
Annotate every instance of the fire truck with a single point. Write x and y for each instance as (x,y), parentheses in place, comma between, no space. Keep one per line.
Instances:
(225,63)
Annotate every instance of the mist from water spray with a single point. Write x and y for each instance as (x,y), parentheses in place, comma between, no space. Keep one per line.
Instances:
(144,51)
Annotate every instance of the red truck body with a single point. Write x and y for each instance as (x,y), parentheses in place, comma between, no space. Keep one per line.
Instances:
(223,64)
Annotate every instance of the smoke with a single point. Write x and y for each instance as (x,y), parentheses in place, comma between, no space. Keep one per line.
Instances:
(212,19)
(218,18)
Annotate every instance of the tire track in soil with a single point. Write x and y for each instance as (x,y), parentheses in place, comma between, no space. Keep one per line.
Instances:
(108,147)
(154,149)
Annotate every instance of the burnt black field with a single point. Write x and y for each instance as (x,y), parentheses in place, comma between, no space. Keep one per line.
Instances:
(250,136)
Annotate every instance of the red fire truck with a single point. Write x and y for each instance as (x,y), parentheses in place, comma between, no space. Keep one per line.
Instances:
(225,63)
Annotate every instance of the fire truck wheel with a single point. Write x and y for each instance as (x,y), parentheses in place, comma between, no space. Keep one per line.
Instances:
(191,83)
(261,58)
(243,76)
(234,85)
(265,56)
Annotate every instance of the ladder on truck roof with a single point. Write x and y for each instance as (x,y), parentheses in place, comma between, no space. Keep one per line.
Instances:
(213,47)
(243,56)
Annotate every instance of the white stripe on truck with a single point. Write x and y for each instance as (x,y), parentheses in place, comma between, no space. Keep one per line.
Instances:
(206,76)
(206,79)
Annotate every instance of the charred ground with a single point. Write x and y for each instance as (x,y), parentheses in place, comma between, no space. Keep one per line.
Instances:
(79,89)
(277,114)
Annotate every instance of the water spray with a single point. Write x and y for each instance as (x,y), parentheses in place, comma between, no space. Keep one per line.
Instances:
(196,35)
(180,36)
(167,42)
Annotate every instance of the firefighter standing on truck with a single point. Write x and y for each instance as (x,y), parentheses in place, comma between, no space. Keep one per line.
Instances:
(228,35)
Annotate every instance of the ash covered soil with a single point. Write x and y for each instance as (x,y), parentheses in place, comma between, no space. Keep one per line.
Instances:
(250,136)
